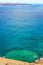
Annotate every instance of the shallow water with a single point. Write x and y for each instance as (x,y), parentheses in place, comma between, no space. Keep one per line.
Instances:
(21,27)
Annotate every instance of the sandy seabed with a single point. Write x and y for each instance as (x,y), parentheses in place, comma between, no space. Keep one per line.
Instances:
(4,61)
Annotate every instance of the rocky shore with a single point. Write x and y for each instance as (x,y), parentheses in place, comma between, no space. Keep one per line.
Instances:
(4,61)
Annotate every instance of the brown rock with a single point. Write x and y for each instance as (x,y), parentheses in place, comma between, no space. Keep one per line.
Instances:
(4,61)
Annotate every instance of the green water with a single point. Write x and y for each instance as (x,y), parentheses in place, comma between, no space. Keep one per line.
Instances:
(21,27)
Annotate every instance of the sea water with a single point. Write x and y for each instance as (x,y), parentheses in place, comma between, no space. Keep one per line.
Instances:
(21,27)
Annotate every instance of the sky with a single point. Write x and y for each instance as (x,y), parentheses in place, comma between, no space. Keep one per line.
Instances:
(23,1)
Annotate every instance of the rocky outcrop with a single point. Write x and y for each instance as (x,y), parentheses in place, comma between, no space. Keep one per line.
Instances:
(4,61)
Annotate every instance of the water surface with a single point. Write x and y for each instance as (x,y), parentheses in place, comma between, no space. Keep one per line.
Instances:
(21,27)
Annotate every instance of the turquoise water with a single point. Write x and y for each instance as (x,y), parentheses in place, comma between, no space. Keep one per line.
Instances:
(21,27)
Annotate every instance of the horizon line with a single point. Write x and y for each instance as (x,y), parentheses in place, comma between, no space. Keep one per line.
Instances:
(18,3)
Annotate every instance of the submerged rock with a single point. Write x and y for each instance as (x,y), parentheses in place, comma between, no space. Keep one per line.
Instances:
(22,55)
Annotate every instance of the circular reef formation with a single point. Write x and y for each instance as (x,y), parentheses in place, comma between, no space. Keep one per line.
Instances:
(22,55)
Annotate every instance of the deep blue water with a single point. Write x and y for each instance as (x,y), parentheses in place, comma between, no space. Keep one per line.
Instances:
(21,27)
